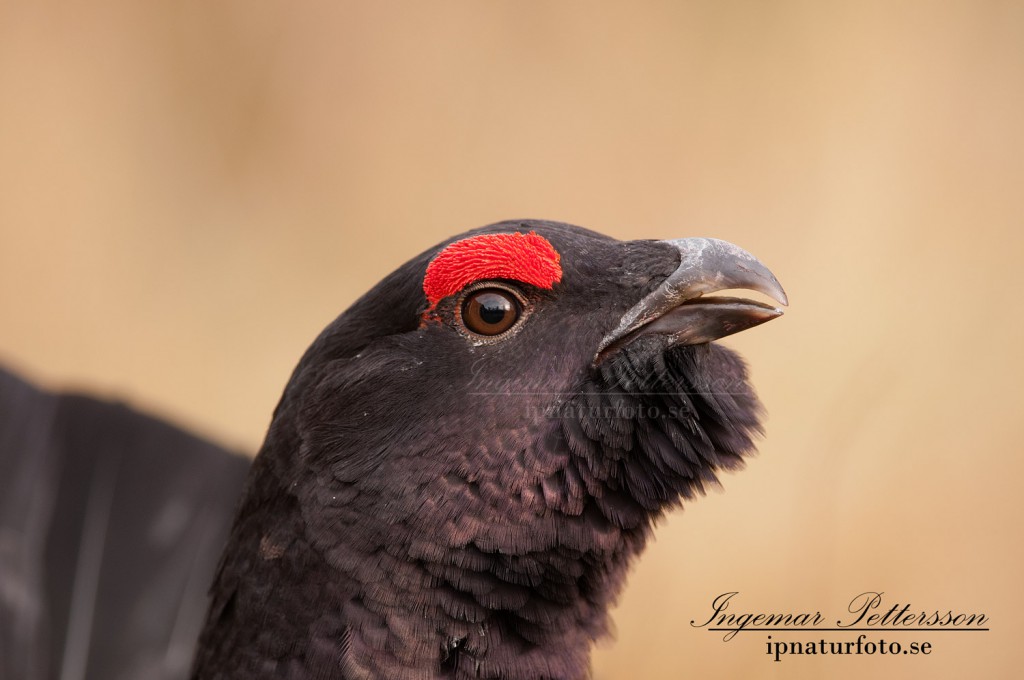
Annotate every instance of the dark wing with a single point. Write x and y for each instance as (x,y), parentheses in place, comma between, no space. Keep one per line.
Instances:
(111,525)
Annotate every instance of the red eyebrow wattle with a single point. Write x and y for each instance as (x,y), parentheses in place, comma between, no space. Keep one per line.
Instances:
(529,258)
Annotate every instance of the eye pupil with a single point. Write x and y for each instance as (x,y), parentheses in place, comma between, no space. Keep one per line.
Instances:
(493,308)
(490,311)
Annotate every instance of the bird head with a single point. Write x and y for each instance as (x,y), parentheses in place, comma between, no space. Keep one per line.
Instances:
(475,451)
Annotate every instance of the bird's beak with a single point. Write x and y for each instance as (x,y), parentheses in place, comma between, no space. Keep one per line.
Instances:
(676,309)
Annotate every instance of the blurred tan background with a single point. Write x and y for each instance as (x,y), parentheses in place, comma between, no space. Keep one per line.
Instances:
(190,191)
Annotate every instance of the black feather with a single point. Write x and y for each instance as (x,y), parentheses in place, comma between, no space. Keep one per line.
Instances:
(111,523)
(460,510)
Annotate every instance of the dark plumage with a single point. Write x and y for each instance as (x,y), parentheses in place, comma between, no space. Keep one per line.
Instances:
(433,503)
(111,524)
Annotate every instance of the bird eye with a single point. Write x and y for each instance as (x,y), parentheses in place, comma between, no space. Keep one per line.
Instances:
(490,311)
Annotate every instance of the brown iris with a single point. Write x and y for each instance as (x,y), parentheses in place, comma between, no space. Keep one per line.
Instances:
(490,311)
